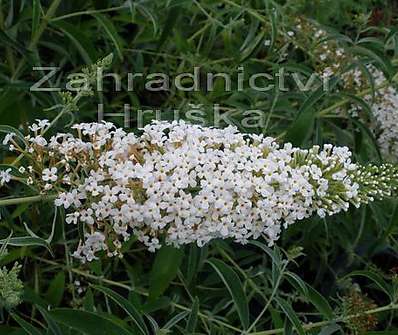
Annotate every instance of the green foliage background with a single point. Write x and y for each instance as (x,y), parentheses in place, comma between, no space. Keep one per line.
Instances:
(303,285)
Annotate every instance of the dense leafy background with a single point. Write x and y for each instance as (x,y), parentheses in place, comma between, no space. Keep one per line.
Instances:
(321,270)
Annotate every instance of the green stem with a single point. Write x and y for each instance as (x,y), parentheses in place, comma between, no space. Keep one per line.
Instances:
(34,198)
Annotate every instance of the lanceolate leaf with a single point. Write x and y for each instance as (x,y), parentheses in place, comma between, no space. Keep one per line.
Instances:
(79,40)
(112,33)
(127,306)
(311,294)
(235,288)
(291,315)
(56,289)
(26,325)
(164,270)
(53,327)
(36,11)
(26,241)
(193,317)
(88,323)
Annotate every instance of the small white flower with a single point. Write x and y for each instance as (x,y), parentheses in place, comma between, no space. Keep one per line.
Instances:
(8,138)
(50,174)
(34,127)
(39,140)
(43,123)
(72,218)
(48,187)
(86,215)
(5,176)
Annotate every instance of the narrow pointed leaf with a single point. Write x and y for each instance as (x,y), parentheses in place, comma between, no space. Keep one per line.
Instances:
(235,288)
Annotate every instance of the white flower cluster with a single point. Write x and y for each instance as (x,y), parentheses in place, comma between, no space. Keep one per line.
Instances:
(384,106)
(179,183)
(327,54)
(331,59)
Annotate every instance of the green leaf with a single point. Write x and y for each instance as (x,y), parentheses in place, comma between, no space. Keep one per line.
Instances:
(175,320)
(330,329)
(272,253)
(3,249)
(53,328)
(11,99)
(26,241)
(193,317)
(320,303)
(148,13)
(291,315)
(303,125)
(87,322)
(276,317)
(88,301)
(369,134)
(111,31)
(8,41)
(192,263)
(274,29)
(155,326)
(235,288)
(127,306)
(56,289)
(26,326)
(297,282)
(164,270)
(6,330)
(252,47)
(374,55)
(156,305)
(36,11)
(79,39)
(171,20)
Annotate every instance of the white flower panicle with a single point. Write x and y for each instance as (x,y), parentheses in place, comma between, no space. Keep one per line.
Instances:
(331,58)
(328,56)
(384,106)
(179,183)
